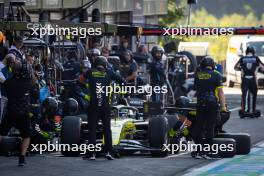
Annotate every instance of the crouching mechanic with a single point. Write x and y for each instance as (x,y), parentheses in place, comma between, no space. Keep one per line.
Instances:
(99,78)
(207,83)
(248,65)
(18,107)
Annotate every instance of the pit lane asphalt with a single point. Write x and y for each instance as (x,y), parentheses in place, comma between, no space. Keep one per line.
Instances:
(53,165)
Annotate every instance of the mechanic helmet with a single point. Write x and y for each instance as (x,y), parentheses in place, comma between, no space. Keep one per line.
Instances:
(155,50)
(207,61)
(70,107)
(96,52)
(18,39)
(250,49)
(49,107)
(100,60)
(126,55)
(182,102)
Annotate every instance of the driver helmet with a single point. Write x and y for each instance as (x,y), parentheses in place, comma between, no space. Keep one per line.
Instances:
(70,107)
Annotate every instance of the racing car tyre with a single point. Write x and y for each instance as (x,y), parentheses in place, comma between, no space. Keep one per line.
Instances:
(229,144)
(71,133)
(243,142)
(10,145)
(192,59)
(158,135)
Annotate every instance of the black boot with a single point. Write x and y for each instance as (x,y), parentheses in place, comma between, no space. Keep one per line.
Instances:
(21,161)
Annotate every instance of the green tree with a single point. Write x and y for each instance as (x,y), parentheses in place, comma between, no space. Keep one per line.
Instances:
(201,18)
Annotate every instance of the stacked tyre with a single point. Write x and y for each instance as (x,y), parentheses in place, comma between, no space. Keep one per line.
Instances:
(226,147)
(243,141)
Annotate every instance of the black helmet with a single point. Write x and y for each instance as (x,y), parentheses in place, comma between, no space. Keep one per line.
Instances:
(156,49)
(18,39)
(100,60)
(126,56)
(49,107)
(126,52)
(182,102)
(207,61)
(70,107)
(250,49)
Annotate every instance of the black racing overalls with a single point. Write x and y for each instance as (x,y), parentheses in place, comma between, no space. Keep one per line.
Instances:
(207,82)
(157,77)
(99,107)
(69,76)
(249,66)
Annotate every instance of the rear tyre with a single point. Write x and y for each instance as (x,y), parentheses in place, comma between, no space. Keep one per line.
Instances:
(158,135)
(71,134)
(229,144)
(243,142)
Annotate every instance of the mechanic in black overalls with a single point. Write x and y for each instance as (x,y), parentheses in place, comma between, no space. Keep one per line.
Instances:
(249,65)
(19,90)
(128,67)
(99,78)
(207,83)
(71,71)
(157,71)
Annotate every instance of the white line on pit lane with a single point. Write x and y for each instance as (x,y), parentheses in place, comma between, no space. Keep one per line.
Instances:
(235,109)
(177,155)
(200,170)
